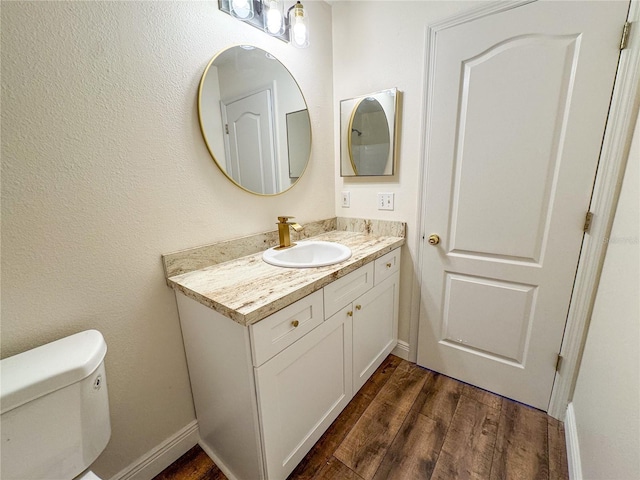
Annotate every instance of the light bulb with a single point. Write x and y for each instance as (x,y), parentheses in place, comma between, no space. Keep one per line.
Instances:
(298,20)
(299,33)
(242,8)
(273,19)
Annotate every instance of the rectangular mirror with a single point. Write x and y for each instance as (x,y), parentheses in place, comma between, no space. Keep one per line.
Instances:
(368,129)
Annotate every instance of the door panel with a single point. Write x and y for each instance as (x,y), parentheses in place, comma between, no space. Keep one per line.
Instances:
(519,101)
(488,317)
(503,148)
(251,138)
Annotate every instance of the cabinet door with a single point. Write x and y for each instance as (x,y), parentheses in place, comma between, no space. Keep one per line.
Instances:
(302,390)
(375,328)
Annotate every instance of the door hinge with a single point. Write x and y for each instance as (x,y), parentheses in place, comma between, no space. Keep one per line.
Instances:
(559,363)
(226,128)
(587,222)
(624,41)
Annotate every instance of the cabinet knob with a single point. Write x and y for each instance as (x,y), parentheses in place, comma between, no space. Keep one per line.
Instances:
(389,265)
(358,307)
(295,323)
(349,313)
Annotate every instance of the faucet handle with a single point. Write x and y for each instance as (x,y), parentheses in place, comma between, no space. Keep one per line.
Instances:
(284,219)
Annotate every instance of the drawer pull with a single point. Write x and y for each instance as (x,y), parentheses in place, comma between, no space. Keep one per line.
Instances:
(350,313)
(295,323)
(389,265)
(358,307)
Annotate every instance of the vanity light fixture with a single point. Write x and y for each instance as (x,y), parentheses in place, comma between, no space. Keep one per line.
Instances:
(269,15)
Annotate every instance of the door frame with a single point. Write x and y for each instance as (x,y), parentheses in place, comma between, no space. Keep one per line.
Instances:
(623,112)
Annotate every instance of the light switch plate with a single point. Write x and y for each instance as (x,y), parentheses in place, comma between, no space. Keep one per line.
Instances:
(346,199)
(385,201)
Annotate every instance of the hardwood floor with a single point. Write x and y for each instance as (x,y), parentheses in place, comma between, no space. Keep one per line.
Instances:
(411,423)
(193,465)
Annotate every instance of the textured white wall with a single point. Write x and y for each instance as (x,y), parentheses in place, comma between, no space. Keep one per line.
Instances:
(607,392)
(104,169)
(380,45)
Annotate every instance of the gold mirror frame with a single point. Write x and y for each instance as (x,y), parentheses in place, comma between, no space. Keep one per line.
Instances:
(351,128)
(214,127)
(389,100)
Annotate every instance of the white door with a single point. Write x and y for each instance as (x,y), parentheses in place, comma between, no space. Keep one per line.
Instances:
(518,102)
(251,158)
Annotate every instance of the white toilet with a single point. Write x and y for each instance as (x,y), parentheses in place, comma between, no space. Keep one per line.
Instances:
(54,409)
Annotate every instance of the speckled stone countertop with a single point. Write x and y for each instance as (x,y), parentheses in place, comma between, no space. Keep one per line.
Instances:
(247,289)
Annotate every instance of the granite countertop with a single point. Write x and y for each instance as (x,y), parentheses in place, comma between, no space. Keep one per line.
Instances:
(247,289)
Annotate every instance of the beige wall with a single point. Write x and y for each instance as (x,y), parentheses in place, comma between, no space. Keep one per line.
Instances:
(607,396)
(104,169)
(380,45)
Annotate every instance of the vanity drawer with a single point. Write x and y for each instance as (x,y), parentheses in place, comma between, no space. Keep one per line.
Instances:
(387,265)
(345,290)
(276,332)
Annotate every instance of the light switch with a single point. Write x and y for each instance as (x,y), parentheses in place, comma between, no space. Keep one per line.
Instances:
(346,199)
(385,201)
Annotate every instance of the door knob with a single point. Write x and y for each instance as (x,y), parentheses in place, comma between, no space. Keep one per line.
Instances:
(434,239)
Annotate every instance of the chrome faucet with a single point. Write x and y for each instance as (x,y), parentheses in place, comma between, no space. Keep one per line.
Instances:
(283,231)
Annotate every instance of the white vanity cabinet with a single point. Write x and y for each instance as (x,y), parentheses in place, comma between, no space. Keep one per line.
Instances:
(264,394)
(371,297)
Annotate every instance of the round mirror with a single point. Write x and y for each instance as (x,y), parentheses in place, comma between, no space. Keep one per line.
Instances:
(369,141)
(254,120)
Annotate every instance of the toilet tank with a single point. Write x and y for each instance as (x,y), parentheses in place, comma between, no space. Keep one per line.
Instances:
(54,408)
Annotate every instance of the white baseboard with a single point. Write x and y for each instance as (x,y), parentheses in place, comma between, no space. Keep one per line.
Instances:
(573,448)
(157,459)
(219,463)
(401,350)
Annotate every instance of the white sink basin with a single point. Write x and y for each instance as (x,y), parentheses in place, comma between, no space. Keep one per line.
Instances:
(312,253)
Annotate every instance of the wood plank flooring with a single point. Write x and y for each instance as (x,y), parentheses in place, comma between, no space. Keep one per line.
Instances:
(409,423)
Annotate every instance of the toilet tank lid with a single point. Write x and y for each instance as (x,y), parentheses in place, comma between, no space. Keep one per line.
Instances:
(45,369)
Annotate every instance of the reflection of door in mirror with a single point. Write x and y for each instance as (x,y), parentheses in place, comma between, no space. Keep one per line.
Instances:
(236,74)
(249,136)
